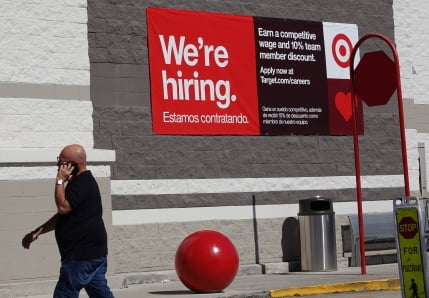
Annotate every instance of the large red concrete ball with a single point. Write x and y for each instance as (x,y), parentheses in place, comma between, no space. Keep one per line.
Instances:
(206,261)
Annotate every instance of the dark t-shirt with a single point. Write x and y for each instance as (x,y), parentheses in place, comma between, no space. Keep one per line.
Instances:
(81,234)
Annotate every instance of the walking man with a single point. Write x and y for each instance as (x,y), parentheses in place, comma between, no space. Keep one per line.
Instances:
(79,228)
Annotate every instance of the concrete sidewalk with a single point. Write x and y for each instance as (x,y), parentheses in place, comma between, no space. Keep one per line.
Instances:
(378,277)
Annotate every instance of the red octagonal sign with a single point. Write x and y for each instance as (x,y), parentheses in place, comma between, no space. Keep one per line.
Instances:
(408,227)
(375,78)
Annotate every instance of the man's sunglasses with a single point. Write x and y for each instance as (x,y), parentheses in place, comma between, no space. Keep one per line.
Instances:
(59,162)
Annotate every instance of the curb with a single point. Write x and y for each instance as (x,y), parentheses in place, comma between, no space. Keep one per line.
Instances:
(367,285)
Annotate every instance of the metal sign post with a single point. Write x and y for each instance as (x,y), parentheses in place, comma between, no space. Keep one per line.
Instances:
(373,95)
(411,249)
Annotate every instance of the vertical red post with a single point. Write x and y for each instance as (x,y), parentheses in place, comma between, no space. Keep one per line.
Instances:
(357,166)
(356,138)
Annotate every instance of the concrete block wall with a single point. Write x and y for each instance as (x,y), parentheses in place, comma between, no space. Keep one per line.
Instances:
(181,181)
(41,123)
(45,105)
(82,71)
(153,247)
(44,78)
(25,205)
(411,43)
(264,241)
(44,42)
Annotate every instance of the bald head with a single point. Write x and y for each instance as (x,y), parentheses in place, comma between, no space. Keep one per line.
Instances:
(75,153)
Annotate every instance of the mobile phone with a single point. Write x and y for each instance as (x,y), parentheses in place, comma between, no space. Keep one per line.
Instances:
(75,169)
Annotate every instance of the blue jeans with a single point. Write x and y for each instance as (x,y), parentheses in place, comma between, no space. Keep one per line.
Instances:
(87,274)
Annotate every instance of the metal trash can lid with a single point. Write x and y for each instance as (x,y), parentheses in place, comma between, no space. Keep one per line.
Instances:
(316,206)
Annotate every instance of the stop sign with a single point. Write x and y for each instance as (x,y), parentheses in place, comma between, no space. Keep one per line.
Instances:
(375,78)
(408,227)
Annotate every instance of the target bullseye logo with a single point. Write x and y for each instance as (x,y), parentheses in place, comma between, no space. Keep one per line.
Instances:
(341,50)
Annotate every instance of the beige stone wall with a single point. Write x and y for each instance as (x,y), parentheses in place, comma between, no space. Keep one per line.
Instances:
(24,205)
(152,247)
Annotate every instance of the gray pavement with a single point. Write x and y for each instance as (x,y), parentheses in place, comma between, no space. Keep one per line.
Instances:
(378,277)
(270,285)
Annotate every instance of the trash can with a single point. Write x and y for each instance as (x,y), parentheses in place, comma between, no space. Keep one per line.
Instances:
(317,234)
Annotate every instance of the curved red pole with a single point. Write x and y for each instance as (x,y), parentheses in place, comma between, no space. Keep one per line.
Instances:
(356,140)
(357,164)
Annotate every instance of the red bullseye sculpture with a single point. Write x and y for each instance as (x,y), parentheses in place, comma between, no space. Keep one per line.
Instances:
(206,261)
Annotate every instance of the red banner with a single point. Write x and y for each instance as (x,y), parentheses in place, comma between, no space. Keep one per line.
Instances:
(224,74)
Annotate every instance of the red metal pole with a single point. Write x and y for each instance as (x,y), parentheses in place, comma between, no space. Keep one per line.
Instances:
(401,117)
(357,165)
(356,140)
(400,102)
(358,184)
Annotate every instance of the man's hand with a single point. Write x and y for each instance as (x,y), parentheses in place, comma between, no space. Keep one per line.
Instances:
(30,237)
(65,171)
